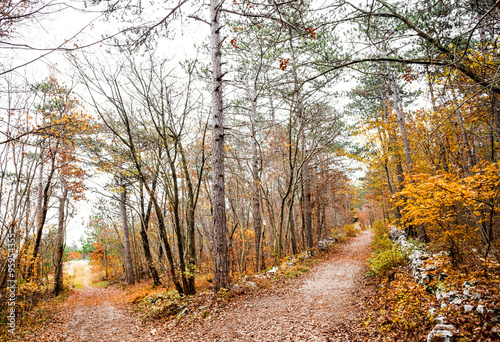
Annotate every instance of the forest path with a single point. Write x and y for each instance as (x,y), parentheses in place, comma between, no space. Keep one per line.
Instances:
(308,309)
(95,314)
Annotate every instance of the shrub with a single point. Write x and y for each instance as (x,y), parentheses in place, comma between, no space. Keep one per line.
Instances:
(385,254)
(350,230)
(296,271)
(387,259)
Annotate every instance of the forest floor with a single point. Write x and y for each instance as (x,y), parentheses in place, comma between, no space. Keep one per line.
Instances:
(318,306)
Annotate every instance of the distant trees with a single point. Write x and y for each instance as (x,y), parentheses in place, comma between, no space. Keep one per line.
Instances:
(43,127)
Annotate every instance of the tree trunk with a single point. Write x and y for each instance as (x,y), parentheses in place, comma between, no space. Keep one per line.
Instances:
(42,216)
(221,275)
(398,106)
(190,220)
(58,275)
(291,220)
(257,219)
(317,217)
(145,240)
(175,205)
(129,266)
(307,206)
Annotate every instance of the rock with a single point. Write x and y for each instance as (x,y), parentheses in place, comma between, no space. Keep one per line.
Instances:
(439,319)
(457,301)
(324,244)
(432,311)
(448,295)
(418,254)
(468,308)
(250,284)
(424,279)
(395,233)
(430,268)
(480,309)
(441,333)
(153,332)
(469,283)
(443,305)
(439,290)
(273,270)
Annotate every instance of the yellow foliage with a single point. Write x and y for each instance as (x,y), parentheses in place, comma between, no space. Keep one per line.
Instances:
(454,210)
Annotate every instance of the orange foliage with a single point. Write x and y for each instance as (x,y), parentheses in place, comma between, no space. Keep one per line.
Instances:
(74,255)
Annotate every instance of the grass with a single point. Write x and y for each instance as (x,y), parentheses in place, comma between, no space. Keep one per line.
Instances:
(78,283)
(296,271)
(385,254)
(102,284)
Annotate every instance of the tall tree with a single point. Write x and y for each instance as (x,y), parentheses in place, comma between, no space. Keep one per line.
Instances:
(129,267)
(221,269)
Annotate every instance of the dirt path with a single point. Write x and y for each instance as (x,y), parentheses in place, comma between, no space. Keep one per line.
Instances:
(305,310)
(94,315)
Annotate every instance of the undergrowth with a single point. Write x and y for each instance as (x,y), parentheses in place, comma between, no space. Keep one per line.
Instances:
(403,310)
(102,284)
(385,254)
(31,318)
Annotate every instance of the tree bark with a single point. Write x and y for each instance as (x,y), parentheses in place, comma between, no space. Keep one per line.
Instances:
(58,275)
(257,219)
(42,216)
(190,218)
(221,272)
(291,220)
(129,266)
(175,205)
(307,205)
(145,240)
(398,107)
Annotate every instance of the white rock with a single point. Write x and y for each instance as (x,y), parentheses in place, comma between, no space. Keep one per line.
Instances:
(457,301)
(432,311)
(153,331)
(448,294)
(469,283)
(468,308)
(430,268)
(273,270)
(480,309)
(439,319)
(441,333)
